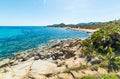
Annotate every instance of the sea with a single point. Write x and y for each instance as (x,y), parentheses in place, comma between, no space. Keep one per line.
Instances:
(14,39)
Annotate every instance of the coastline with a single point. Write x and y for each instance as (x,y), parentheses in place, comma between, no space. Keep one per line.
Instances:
(57,59)
(83,30)
(79,29)
(49,62)
(40,35)
(51,57)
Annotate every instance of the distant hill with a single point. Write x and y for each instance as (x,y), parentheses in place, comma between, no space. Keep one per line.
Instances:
(90,25)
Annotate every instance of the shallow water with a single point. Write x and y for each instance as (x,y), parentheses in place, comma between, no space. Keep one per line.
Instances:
(14,39)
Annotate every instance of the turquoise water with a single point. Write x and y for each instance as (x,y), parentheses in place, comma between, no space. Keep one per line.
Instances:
(14,39)
(5,32)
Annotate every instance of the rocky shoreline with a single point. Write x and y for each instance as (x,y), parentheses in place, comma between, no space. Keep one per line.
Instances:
(60,60)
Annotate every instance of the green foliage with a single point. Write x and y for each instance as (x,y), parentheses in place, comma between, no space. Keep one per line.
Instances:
(114,63)
(95,68)
(106,40)
(105,44)
(109,76)
(102,76)
(87,47)
(104,64)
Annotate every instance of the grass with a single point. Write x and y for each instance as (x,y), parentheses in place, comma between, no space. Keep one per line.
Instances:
(102,76)
(109,76)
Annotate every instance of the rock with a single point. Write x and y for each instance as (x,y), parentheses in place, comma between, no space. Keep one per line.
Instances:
(77,74)
(36,57)
(69,54)
(48,62)
(20,60)
(42,67)
(37,76)
(4,62)
(60,63)
(42,57)
(58,47)
(102,71)
(95,61)
(55,45)
(65,76)
(14,62)
(66,45)
(19,71)
(55,56)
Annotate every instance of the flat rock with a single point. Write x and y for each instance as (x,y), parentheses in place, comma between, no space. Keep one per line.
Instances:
(65,76)
(18,71)
(4,61)
(42,67)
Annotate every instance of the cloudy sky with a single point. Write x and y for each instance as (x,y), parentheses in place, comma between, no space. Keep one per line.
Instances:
(45,12)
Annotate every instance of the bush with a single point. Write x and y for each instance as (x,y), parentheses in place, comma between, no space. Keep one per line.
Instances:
(109,76)
(103,76)
(104,43)
(95,68)
(114,63)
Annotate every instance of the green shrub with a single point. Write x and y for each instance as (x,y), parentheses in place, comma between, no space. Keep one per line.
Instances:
(95,68)
(104,64)
(114,63)
(104,43)
(103,76)
(109,76)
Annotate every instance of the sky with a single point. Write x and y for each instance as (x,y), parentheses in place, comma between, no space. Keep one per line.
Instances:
(47,12)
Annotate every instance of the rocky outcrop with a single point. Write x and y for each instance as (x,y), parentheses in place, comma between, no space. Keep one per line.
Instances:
(60,60)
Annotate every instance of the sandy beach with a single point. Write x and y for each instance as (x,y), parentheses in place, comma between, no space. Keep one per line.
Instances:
(83,30)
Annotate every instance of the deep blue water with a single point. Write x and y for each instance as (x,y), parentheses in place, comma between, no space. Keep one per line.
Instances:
(14,39)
